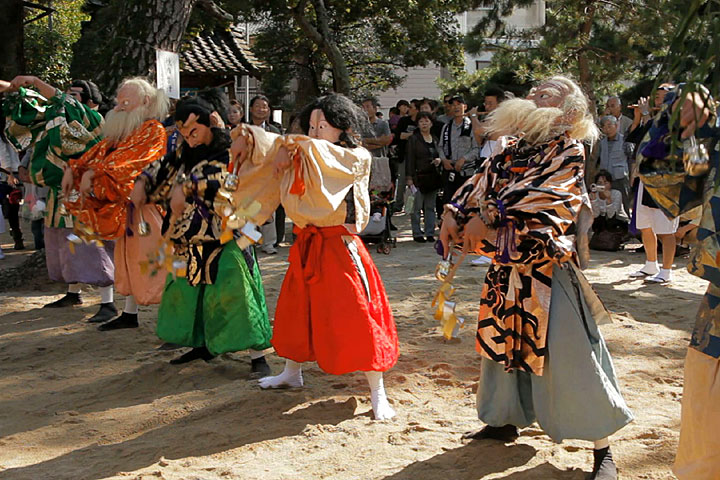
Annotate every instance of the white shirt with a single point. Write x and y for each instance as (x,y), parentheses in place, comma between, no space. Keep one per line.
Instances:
(9,159)
(611,209)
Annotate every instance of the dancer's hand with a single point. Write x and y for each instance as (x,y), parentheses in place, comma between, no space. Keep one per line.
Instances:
(137,196)
(449,232)
(67,182)
(22,81)
(4,86)
(86,182)
(216,120)
(694,113)
(282,161)
(239,150)
(475,233)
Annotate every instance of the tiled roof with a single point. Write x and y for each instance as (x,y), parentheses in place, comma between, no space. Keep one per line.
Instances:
(221,53)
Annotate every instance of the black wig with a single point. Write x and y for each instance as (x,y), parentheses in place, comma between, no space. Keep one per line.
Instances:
(342,113)
(203,105)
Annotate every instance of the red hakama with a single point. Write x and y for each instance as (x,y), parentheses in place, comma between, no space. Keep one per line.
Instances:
(333,308)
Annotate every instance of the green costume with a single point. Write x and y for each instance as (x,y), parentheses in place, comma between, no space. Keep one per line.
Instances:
(59,128)
(221,303)
(226,316)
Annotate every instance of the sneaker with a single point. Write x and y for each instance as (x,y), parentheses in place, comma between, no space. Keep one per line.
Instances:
(270,250)
(430,238)
(419,239)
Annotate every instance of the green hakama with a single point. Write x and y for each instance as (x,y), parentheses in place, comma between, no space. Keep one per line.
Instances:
(228,315)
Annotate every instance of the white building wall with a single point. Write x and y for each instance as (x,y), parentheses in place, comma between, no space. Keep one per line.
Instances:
(422,82)
(419,82)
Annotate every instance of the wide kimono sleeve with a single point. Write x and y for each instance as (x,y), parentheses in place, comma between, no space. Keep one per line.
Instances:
(256,179)
(199,223)
(59,129)
(159,177)
(532,211)
(314,189)
(113,180)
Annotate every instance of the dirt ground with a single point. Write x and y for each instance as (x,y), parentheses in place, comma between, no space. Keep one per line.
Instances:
(76,403)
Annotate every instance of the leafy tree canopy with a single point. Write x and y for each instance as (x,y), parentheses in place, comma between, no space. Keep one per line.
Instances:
(48,41)
(605,44)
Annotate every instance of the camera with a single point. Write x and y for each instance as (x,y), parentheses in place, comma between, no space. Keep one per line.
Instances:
(597,188)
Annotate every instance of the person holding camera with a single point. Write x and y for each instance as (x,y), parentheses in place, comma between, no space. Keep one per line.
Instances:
(611,221)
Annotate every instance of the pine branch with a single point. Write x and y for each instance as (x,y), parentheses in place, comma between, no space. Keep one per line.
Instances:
(214,10)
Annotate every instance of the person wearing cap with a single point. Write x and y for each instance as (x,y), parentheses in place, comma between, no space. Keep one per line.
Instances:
(458,149)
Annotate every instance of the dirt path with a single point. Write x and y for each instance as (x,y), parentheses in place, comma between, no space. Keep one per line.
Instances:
(76,403)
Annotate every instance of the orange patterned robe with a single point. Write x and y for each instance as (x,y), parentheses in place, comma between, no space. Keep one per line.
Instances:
(530,197)
(105,212)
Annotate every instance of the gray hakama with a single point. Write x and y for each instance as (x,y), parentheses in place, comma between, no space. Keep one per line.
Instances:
(578,395)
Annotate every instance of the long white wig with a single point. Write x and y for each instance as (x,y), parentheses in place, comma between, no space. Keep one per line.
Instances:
(521,117)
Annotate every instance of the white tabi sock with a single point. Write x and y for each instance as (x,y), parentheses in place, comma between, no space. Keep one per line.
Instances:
(73,288)
(131,305)
(650,267)
(602,443)
(106,294)
(291,377)
(380,405)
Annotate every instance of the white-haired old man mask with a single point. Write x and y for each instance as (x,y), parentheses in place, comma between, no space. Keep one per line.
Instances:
(555,107)
(136,102)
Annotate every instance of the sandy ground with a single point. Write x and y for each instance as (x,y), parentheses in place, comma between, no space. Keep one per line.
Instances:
(76,403)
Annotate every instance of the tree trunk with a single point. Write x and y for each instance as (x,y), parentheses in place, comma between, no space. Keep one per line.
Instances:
(586,82)
(138,28)
(322,37)
(12,60)
(307,87)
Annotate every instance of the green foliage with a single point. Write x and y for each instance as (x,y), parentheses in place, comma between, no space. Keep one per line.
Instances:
(472,86)
(49,51)
(694,48)
(605,44)
(376,38)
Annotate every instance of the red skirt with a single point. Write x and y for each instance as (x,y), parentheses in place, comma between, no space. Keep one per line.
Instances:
(332,307)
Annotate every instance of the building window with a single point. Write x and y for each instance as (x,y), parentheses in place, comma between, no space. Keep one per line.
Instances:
(480,64)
